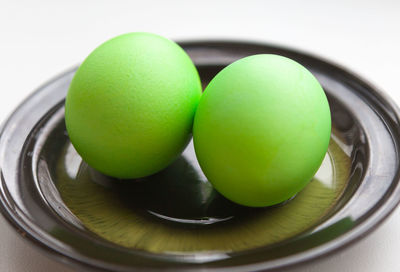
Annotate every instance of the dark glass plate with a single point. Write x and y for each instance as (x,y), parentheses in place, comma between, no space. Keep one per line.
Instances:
(175,219)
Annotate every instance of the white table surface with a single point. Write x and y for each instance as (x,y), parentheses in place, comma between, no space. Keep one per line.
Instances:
(40,39)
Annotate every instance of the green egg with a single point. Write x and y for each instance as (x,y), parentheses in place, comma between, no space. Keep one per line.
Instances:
(262,129)
(130,106)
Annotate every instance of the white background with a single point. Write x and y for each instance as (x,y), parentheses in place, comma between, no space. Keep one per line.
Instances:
(40,39)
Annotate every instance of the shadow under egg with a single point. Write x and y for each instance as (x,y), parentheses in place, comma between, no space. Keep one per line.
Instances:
(175,194)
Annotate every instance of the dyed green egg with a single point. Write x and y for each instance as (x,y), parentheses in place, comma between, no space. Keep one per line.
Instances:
(130,106)
(262,129)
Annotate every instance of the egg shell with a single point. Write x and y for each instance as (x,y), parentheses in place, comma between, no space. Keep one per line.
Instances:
(262,129)
(130,106)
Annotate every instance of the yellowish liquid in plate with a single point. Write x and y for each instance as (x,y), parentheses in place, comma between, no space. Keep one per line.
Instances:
(186,215)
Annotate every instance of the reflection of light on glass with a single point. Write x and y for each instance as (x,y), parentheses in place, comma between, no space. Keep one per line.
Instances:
(201,221)
(325,172)
(347,149)
(190,156)
(72,162)
(201,257)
